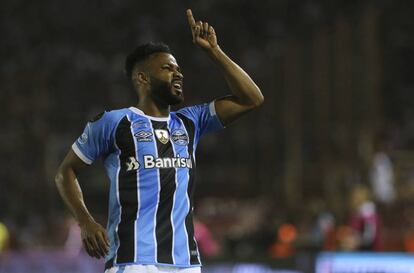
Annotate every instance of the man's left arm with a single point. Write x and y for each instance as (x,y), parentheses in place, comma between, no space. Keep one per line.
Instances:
(246,95)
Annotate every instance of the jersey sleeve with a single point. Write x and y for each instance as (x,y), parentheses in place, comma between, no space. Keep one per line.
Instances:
(204,117)
(96,139)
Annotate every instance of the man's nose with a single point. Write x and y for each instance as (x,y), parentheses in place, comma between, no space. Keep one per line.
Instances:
(178,74)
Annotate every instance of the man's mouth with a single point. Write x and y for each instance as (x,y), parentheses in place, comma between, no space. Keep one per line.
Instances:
(178,86)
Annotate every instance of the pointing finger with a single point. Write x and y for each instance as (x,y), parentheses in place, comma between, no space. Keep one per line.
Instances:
(190,18)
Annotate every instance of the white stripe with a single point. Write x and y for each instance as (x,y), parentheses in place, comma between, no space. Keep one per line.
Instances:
(137,177)
(131,268)
(175,192)
(139,112)
(194,149)
(186,194)
(79,153)
(185,227)
(158,199)
(112,269)
(212,108)
(198,252)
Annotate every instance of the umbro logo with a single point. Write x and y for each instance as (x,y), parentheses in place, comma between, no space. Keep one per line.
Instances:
(143,136)
(133,164)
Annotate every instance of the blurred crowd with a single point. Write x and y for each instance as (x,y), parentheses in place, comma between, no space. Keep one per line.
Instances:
(326,164)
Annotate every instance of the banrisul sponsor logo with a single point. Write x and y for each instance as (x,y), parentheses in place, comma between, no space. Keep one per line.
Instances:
(151,162)
(179,137)
(132,164)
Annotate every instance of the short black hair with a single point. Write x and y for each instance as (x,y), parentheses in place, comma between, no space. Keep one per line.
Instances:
(142,52)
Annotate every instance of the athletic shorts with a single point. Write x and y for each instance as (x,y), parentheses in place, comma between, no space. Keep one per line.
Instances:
(136,268)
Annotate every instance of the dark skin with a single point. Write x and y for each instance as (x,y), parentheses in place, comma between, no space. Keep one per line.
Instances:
(94,236)
(245,96)
(163,69)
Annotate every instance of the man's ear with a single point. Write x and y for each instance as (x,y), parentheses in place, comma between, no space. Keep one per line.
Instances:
(142,77)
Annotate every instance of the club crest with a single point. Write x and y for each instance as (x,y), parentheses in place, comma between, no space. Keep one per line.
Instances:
(162,135)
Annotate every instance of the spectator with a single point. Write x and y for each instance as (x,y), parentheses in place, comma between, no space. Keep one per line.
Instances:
(364,220)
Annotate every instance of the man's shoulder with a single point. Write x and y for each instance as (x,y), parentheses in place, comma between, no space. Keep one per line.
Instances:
(191,109)
(198,110)
(117,113)
(111,117)
(201,115)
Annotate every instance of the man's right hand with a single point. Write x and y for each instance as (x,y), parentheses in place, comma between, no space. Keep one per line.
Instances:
(94,236)
(95,239)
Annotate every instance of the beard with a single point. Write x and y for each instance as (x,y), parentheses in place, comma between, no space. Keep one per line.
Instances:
(162,92)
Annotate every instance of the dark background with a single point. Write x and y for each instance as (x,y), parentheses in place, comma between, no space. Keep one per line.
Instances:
(338,82)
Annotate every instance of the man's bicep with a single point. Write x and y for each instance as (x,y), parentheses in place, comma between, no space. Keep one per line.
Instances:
(73,161)
(229,109)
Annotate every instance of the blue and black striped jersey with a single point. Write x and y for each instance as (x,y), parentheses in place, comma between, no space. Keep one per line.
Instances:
(151,166)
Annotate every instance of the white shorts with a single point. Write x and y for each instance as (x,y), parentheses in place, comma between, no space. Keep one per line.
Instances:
(137,268)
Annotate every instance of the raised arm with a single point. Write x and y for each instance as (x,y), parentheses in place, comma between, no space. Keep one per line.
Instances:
(94,236)
(246,95)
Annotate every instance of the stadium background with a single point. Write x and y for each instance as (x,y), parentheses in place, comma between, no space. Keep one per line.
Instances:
(338,82)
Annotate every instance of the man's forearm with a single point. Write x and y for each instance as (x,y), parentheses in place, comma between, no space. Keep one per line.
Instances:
(94,236)
(71,193)
(239,82)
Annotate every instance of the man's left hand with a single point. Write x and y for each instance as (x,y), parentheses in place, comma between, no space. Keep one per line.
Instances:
(203,34)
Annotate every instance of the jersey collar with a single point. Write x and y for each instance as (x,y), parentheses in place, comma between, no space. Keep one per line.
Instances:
(140,112)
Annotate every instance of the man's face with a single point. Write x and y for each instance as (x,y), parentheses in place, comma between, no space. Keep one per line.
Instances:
(166,79)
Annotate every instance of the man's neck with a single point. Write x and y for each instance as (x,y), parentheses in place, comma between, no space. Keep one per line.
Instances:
(153,109)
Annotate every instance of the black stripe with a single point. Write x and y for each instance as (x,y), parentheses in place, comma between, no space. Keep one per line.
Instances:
(164,230)
(190,127)
(127,181)
(109,263)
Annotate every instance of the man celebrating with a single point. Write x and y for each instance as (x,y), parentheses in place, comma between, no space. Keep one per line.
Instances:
(149,155)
